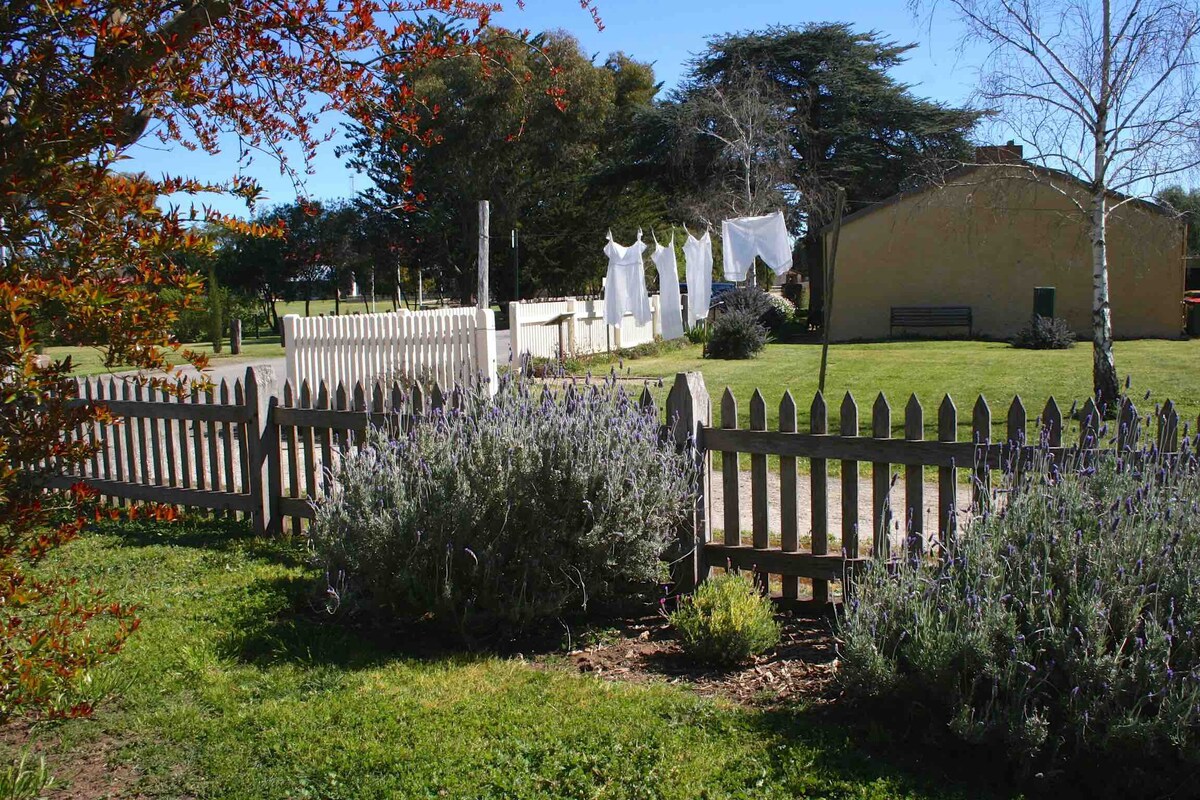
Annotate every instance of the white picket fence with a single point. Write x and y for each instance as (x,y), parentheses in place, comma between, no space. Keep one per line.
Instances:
(449,346)
(575,327)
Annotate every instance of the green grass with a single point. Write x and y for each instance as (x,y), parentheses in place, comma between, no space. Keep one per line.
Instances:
(931,369)
(90,360)
(233,688)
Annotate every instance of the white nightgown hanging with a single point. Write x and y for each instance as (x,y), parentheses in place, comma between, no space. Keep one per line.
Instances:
(625,286)
(669,303)
(698,261)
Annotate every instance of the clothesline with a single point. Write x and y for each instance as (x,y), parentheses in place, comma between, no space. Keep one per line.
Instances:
(745,239)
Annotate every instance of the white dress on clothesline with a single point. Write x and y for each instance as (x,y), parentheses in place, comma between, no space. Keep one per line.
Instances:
(698,265)
(670,304)
(625,286)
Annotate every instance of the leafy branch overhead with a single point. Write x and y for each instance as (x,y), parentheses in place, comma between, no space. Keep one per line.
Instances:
(90,254)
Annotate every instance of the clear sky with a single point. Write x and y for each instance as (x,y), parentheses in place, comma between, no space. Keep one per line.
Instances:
(664,32)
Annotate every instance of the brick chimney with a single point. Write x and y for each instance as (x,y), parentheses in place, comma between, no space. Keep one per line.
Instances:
(1011,153)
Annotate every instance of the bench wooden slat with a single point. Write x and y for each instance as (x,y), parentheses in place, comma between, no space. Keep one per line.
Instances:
(931,317)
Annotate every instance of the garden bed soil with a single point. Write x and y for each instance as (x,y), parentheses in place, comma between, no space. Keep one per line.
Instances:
(799,670)
(92,771)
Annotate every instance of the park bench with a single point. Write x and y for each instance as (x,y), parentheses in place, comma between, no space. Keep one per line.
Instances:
(932,317)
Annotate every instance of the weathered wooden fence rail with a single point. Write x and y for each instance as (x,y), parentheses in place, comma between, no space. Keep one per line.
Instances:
(242,450)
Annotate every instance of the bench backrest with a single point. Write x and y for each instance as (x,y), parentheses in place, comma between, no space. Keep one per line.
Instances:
(931,316)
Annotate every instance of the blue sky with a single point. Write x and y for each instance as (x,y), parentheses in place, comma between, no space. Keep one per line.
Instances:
(664,32)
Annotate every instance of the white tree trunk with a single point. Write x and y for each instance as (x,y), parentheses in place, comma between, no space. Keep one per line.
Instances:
(1104,367)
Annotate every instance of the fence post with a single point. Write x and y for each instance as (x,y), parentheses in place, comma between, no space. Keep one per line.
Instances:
(573,330)
(514,331)
(688,411)
(485,347)
(264,480)
(290,323)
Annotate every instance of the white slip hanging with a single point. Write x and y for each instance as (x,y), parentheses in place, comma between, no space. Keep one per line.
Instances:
(698,265)
(744,238)
(625,286)
(670,304)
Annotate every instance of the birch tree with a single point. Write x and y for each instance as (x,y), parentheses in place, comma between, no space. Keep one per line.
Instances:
(734,132)
(1102,89)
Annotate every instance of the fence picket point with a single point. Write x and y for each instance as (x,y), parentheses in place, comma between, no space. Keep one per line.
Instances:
(881,428)
(914,479)
(231,484)
(981,436)
(850,522)
(947,476)
(789,523)
(729,473)
(1168,428)
(818,416)
(169,436)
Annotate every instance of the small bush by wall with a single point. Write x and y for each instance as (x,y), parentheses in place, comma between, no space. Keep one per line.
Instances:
(1063,631)
(736,334)
(770,310)
(1045,333)
(726,621)
(508,512)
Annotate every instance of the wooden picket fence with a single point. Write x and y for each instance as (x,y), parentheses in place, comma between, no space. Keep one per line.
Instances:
(242,450)
(447,345)
(898,515)
(574,327)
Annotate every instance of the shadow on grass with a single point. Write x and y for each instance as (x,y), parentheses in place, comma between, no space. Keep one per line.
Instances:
(301,632)
(859,745)
(203,533)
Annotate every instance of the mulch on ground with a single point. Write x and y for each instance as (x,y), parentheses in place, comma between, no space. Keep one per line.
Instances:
(800,669)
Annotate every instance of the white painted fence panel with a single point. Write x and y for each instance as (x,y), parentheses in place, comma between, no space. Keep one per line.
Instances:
(451,345)
(535,332)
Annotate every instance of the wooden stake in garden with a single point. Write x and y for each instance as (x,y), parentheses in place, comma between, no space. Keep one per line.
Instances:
(837,231)
(484,227)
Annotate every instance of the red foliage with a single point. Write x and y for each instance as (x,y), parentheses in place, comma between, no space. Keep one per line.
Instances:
(87,251)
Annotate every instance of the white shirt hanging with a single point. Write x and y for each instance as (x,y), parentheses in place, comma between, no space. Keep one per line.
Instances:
(747,237)
(669,303)
(698,261)
(625,286)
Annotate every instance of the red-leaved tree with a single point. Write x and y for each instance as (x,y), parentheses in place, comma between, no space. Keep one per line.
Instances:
(86,249)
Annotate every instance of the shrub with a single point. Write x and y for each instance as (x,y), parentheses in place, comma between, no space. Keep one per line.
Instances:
(1062,629)
(698,334)
(784,310)
(726,621)
(1045,333)
(795,293)
(771,311)
(508,512)
(736,334)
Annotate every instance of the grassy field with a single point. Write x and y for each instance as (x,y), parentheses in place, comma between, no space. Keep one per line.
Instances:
(233,687)
(90,360)
(931,369)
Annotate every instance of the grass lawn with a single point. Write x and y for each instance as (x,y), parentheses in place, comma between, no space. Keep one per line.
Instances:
(232,689)
(90,360)
(931,369)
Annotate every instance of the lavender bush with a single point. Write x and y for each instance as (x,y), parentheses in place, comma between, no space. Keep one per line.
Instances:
(1062,629)
(507,512)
